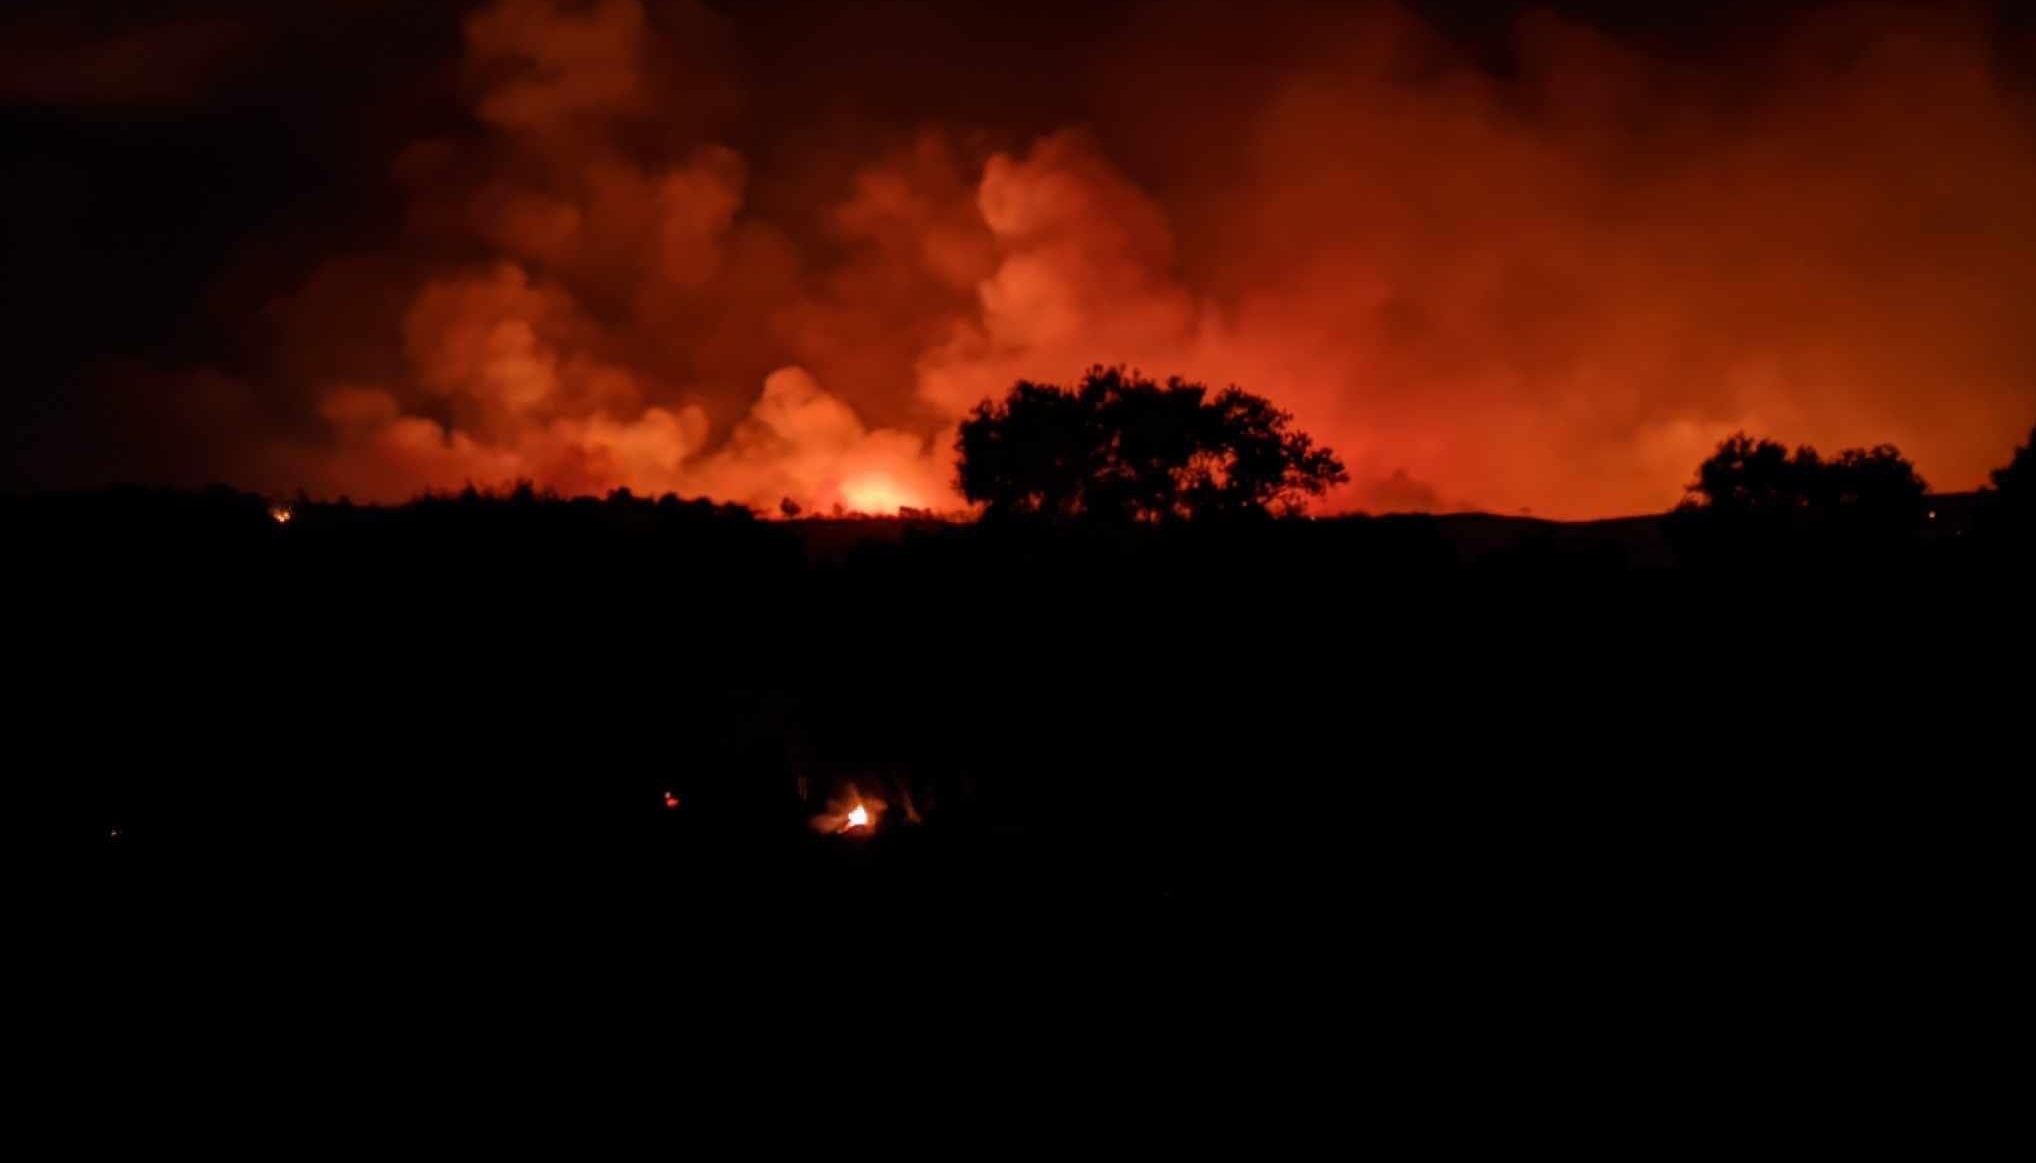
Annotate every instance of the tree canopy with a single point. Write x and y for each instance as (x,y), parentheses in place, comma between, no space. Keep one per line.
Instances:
(2016,480)
(1120,447)
(1747,478)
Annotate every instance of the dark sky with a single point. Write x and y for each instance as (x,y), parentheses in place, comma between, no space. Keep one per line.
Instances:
(175,170)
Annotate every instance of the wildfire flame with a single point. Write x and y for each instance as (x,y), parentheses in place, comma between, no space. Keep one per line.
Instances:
(875,495)
(281,514)
(850,813)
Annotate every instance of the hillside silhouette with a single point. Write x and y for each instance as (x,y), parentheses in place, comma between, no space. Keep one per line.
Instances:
(1088,710)
(1409,776)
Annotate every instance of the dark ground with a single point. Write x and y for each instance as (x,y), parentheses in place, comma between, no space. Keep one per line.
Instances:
(1491,779)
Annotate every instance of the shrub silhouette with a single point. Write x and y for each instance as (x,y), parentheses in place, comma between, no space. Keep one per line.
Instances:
(2018,476)
(1118,447)
(2009,512)
(1754,500)
(1871,487)
(1752,478)
(1748,477)
(2015,482)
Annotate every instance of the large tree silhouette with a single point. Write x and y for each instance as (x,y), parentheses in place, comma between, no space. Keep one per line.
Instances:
(1748,477)
(1756,501)
(1120,447)
(1761,478)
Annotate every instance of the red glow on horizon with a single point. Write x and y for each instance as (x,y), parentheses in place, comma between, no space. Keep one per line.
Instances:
(1484,292)
(875,495)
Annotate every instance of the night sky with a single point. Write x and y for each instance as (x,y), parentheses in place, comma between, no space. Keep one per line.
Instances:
(1500,256)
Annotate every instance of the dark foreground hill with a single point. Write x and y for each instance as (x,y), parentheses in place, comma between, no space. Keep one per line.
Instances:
(1403,785)
(1162,714)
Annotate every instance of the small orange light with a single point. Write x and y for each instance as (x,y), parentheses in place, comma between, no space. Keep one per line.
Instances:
(671,801)
(850,814)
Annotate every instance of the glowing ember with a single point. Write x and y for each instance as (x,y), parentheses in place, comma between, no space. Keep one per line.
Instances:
(874,495)
(281,514)
(671,801)
(850,813)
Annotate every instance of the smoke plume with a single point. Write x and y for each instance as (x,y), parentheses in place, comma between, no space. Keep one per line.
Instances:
(1550,284)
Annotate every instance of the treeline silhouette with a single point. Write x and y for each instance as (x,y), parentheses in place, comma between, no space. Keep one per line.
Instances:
(1803,666)
(1120,447)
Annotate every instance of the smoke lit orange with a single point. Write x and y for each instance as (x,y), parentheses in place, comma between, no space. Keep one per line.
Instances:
(1553,289)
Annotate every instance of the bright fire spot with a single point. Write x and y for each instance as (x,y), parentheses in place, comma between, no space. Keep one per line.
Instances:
(280,514)
(850,813)
(671,801)
(874,495)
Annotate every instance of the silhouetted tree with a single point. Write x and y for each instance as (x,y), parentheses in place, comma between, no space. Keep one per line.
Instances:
(1120,447)
(1756,500)
(1875,486)
(1747,477)
(2015,482)
(2008,514)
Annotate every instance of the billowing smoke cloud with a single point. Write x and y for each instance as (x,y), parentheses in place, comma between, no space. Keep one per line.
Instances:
(570,350)
(1551,287)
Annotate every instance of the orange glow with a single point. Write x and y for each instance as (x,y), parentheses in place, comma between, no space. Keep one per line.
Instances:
(1551,288)
(850,813)
(875,495)
(281,514)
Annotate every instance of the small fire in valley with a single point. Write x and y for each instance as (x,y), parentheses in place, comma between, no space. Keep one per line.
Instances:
(850,814)
(281,514)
